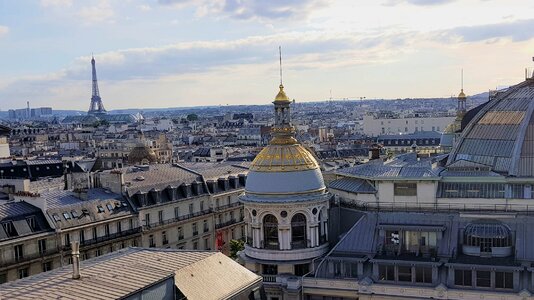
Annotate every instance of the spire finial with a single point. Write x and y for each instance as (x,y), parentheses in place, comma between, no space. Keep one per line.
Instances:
(280,55)
(462,79)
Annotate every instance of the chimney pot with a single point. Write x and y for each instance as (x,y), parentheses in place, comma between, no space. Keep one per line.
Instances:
(75,245)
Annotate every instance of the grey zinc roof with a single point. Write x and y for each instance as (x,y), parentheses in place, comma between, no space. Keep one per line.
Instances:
(158,177)
(377,171)
(86,211)
(214,171)
(13,209)
(128,271)
(501,134)
(352,185)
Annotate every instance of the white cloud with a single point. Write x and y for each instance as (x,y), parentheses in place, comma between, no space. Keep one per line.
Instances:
(60,3)
(4,30)
(101,12)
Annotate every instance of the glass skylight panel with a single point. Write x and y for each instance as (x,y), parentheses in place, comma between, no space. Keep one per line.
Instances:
(100,209)
(66,215)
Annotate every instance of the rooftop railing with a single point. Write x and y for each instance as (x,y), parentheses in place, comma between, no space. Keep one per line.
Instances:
(106,238)
(440,207)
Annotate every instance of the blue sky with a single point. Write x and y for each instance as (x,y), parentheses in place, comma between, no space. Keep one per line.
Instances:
(170,53)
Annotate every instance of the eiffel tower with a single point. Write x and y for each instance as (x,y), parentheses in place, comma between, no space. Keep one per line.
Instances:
(96,107)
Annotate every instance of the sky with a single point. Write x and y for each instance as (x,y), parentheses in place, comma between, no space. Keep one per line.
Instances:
(182,53)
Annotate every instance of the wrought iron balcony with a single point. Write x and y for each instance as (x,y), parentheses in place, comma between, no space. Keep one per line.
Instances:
(223,207)
(228,223)
(106,238)
(27,257)
(179,219)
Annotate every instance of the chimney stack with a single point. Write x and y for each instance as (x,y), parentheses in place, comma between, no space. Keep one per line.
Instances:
(75,245)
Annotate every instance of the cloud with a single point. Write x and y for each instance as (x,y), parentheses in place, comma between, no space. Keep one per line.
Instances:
(252,9)
(418,2)
(4,30)
(101,12)
(520,30)
(51,3)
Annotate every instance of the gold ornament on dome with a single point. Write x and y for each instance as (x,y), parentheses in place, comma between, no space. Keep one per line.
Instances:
(281,96)
(284,158)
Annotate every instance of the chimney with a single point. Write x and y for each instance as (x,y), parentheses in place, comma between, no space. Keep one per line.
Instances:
(374,152)
(75,245)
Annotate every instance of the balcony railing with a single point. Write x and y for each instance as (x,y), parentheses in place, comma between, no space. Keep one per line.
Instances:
(180,218)
(27,257)
(223,207)
(106,238)
(269,278)
(299,245)
(228,223)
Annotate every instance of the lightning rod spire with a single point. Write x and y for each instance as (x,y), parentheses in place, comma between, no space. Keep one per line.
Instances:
(280,55)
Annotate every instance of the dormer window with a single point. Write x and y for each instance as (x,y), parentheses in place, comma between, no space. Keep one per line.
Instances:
(110,207)
(100,209)
(487,238)
(66,216)
(74,214)
(56,217)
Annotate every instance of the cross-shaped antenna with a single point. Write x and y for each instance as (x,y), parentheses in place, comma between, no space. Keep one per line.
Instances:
(280,54)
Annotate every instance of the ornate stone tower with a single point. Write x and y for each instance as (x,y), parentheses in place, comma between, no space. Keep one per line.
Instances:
(286,209)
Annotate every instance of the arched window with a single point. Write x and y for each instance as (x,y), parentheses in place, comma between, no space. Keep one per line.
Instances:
(270,232)
(298,232)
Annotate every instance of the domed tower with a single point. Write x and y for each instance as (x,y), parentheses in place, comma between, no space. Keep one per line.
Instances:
(141,154)
(286,209)
(452,132)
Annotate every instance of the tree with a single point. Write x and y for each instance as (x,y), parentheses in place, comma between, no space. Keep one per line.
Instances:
(236,246)
(192,117)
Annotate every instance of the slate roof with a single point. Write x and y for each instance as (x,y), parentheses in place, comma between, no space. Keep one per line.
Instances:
(214,171)
(17,213)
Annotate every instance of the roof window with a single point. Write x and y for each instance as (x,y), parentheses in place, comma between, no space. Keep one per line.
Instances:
(100,209)
(66,215)
(56,218)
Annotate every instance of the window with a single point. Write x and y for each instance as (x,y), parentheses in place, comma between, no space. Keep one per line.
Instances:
(180,233)
(151,242)
(201,205)
(270,269)
(206,244)
(23,273)
(405,189)
(56,218)
(386,272)
(9,229)
(109,206)
(147,219)
(106,229)
(119,227)
(270,232)
(206,227)
(98,252)
(31,223)
(176,212)
(47,266)
(82,236)
(160,216)
(423,274)
(195,245)
(483,278)
(404,273)
(463,277)
(19,252)
(66,216)
(164,239)
(194,228)
(3,278)
(67,239)
(504,280)
(74,214)
(94,233)
(302,269)
(217,203)
(130,221)
(42,246)
(190,208)
(100,209)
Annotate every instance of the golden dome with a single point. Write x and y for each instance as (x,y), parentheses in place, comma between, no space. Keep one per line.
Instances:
(462,95)
(142,154)
(281,96)
(284,158)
